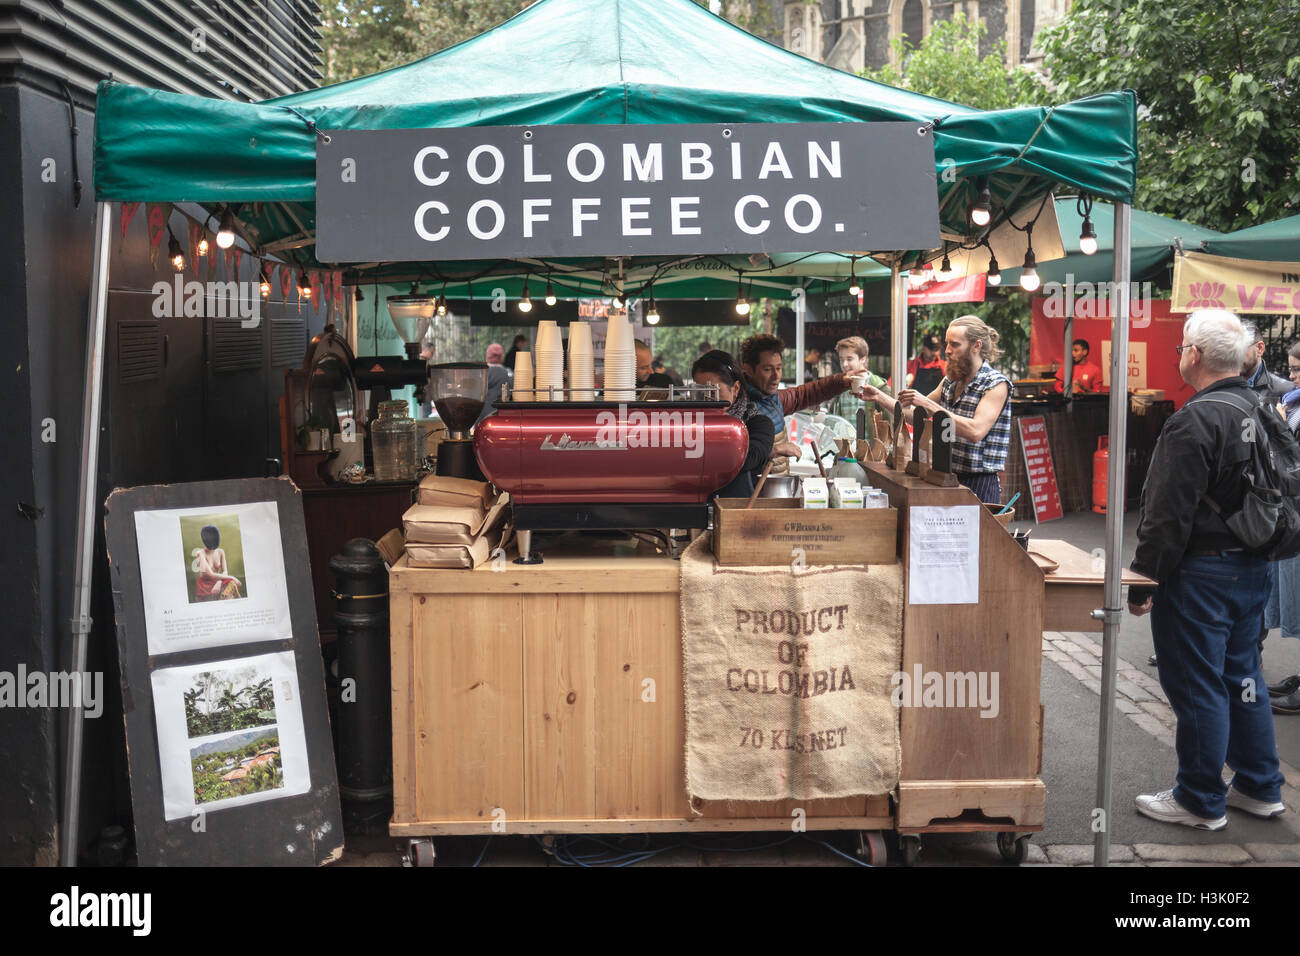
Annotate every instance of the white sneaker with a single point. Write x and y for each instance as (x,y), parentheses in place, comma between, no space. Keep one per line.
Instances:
(1163,807)
(1258,808)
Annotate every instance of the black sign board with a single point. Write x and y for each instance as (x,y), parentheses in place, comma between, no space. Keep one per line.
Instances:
(223,684)
(835,317)
(548,191)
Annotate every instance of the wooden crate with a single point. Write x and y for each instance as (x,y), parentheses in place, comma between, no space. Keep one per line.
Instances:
(769,533)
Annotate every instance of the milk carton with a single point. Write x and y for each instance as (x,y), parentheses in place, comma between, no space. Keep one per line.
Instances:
(846,493)
(815,493)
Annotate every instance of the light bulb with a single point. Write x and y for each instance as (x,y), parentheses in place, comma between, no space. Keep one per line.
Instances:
(981,210)
(1088,238)
(945,269)
(1029,280)
(652,314)
(304,285)
(855,290)
(550,294)
(265,288)
(617,301)
(526,302)
(177,257)
(202,248)
(995,274)
(742,304)
(226,235)
(742,307)
(441,307)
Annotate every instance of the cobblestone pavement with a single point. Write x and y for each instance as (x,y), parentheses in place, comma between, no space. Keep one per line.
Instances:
(1138,698)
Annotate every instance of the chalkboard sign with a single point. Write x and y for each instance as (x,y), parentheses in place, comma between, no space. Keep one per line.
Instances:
(227,728)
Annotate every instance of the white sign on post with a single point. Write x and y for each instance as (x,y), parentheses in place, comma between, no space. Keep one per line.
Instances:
(1137,364)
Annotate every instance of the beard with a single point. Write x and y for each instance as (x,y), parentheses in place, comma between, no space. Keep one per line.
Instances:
(958,368)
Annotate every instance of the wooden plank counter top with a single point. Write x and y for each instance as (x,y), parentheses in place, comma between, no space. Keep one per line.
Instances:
(1077,566)
(1077,587)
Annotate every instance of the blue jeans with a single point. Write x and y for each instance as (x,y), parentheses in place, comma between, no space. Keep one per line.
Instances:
(1205,625)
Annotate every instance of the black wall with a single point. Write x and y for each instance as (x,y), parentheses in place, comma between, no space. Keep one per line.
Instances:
(205,409)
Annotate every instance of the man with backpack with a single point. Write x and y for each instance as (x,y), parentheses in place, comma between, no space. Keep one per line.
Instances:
(1202,538)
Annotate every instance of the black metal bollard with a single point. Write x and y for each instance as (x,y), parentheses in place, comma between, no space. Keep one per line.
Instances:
(365,738)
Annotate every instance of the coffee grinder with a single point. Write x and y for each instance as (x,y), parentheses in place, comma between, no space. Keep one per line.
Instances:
(459,390)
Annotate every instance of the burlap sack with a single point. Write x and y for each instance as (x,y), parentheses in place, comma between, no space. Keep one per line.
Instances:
(788,678)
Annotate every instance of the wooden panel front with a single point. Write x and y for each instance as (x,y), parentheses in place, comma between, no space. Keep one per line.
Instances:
(1001,635)
(638,742)
(468,707)
(560,632)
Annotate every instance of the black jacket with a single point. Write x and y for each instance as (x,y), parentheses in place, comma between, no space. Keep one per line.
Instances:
(1268,386)
(761,436)
(1201,450)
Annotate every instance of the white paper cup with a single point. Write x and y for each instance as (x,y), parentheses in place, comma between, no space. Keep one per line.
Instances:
(523,377)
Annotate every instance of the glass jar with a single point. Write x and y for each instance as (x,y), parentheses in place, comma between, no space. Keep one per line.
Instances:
(393,442)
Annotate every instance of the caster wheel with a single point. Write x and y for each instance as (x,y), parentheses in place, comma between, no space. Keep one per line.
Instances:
(1013,848)
(910,845)
(873,849)
(419,853)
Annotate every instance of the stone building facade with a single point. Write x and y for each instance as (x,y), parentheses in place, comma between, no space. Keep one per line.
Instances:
(856,35)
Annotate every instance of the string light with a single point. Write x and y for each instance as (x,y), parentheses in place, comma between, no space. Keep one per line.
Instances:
(441,307)
(304,284)
(226,235)
(202,247)
(916,277)
(1088,236)
(652,312)
(855,289)
(526,302)
(266,283)
(742,304)
(981,210)
(945,269)
(1029,280)
(174,251)
(995,274)
(550,293)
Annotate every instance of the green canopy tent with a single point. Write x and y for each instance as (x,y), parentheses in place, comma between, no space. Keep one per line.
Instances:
(1277,241)
(578,62)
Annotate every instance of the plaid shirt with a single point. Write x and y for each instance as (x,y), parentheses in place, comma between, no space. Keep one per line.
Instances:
(990,453)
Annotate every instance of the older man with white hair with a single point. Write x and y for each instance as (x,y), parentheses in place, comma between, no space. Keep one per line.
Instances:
(1205,613)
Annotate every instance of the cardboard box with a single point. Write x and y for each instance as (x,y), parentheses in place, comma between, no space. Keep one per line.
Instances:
(768,534)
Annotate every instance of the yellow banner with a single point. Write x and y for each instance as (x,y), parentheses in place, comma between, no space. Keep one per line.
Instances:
(1239,285)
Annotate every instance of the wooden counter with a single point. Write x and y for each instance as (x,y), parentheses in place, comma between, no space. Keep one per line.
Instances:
(1077,587)
(548,698)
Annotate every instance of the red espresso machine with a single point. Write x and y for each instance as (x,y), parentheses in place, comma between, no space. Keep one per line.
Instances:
(606,465)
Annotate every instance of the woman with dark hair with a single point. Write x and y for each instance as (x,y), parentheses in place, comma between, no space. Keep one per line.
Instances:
(214,582)
(718,368)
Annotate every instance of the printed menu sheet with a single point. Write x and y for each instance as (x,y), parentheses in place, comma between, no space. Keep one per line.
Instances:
(943,565)
(212,576)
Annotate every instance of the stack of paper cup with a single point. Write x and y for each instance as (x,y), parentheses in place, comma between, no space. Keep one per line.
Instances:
(582,363)
(620,360)
(548,362)
(522,387)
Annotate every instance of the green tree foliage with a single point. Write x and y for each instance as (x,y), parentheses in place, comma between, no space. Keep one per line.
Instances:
(1219,94)
(365,37)
(947,64)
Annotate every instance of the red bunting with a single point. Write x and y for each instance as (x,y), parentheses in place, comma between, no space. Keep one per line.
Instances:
(285,279)
(157,215)
(338,289)
(129,210)
(314,276)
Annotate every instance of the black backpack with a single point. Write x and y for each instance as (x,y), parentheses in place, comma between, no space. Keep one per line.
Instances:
(1268,521)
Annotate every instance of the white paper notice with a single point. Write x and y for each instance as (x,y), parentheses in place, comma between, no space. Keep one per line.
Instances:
(944,550)
(229,733)
(212,576)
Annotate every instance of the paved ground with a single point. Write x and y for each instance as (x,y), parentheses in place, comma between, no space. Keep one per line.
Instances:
(1143,762)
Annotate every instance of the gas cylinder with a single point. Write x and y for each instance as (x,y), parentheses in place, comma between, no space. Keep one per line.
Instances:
(1100,466)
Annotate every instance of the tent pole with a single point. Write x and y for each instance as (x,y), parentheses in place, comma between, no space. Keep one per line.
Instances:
(898,325)
(800,314)
(87,511)
(1112,610)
